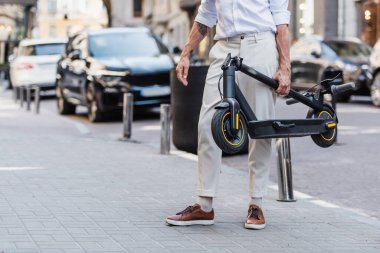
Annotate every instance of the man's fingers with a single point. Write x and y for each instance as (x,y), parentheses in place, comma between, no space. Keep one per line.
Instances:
(185,71)
(180,74)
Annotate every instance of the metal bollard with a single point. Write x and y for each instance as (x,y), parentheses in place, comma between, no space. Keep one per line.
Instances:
(15,94)
(284,171)
(37,100)
(165,129)
(28,97)
(22,93)
(127,115)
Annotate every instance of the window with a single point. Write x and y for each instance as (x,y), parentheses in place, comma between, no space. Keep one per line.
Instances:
(52,6)
(131,44)
(43,49)
(137,8)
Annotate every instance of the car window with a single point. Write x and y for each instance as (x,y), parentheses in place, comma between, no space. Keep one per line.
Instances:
(305,48)
(128,44)
(43,49)
(327,51)
(349,49)
(314,47)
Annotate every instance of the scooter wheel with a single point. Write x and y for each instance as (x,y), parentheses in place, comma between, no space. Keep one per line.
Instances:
(328,138)
(221,131)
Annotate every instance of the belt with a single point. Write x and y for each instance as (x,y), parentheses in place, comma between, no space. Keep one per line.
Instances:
(256,36)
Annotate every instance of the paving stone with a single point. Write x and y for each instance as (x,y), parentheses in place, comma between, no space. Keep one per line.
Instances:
(95,195)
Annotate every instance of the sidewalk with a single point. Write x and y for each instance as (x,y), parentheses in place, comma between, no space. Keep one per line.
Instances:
(65,191)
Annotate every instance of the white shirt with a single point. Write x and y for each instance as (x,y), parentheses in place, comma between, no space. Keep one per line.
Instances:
(238,17)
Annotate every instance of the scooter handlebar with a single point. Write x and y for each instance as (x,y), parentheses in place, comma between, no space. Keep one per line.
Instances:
(291,101)
(336,89)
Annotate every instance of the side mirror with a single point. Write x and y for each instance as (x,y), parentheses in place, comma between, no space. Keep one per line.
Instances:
(11,57)
(315,54)
(75,55)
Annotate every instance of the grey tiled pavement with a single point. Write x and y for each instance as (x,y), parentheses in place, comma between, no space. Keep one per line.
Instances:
(61,191)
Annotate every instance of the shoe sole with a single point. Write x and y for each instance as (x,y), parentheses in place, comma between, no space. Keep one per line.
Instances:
(189,223)
(254,226)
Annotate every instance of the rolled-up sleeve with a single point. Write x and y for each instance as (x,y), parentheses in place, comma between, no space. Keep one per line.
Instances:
(207,13)
(280,13)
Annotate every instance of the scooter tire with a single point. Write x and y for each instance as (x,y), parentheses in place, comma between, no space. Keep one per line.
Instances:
(328,138)
(220,127)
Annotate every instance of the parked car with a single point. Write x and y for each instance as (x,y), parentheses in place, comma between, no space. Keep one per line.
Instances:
(99,66)
(35,62)
(375,66)
(311,56)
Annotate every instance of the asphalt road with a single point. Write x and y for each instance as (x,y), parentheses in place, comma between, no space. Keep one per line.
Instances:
(346,174)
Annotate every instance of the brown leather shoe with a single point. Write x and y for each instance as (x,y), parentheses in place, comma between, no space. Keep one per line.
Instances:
(192,215)
(255,218)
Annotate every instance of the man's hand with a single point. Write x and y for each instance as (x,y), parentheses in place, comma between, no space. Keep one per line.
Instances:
(197,34)
(183,69)
(283,78)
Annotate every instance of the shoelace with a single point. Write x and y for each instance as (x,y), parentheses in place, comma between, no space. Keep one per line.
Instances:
(253,212)
(188,209)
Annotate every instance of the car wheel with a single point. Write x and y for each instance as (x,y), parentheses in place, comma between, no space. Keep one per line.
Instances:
(64,107)
(94,104)
(375,90)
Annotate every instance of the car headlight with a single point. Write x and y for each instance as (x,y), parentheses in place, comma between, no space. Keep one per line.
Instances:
(347,66)
(110,78)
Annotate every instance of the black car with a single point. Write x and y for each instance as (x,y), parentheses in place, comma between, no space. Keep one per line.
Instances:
(312,57)
(99,66)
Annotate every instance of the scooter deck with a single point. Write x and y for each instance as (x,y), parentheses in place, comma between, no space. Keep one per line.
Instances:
(282,128)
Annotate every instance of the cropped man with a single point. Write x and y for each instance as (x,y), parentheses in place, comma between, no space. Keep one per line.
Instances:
(257,31)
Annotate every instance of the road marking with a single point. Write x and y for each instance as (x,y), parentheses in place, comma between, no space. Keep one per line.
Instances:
(373,130)
(150,128)
(20,168)
(297,194)
(6,115)
(347,127)
(185,155)
(358,110)
(323,203)
(82,128)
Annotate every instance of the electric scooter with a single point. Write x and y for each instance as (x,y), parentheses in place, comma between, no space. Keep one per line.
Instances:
(234,119)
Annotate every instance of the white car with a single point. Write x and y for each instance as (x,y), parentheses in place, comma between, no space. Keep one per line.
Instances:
(35,62)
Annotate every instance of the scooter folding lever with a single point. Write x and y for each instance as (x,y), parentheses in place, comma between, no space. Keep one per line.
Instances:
(280,125)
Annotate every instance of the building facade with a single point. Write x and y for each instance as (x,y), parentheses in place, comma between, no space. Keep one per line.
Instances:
(164,17)
(62,18)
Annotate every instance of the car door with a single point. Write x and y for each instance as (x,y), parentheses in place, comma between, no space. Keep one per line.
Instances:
(75,70)
(306,64)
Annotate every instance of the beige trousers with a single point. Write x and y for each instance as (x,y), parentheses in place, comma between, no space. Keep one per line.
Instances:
(260,52)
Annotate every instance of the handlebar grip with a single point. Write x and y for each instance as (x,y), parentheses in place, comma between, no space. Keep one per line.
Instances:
(335,89)
(291,101)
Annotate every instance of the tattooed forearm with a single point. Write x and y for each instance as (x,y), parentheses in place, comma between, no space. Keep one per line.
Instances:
(202,29)
(197,34)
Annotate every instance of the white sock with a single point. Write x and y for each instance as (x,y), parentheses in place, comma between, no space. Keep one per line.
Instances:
(258,201)
(205,203)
